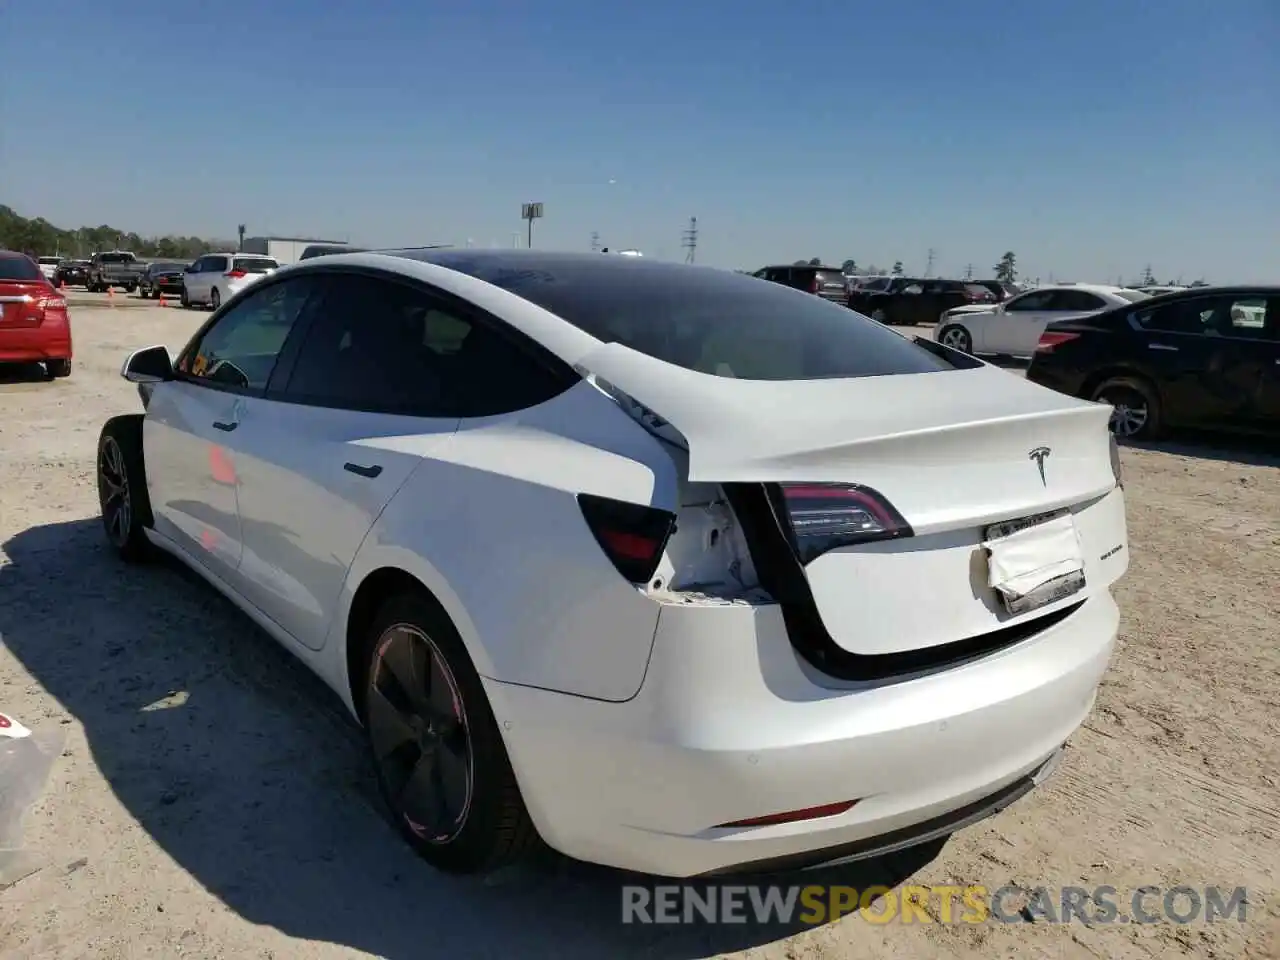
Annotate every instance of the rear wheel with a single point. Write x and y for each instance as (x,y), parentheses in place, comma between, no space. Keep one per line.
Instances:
(957,338)
(1135,413)
(122,487)
(58,368)
(879,316)
(441,764)
(186,303)
(215,299)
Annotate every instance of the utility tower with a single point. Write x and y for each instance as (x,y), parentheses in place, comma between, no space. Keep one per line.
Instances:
(690,240)
(928,266)
(595,241)
(968,272)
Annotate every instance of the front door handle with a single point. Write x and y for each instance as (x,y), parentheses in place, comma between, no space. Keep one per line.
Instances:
(1162,346)
(360,470)
(225,427)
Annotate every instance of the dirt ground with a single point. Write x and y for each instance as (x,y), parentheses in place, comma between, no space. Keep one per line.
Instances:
(213,799)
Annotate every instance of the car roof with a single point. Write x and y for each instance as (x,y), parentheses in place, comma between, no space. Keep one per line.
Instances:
(798,266)
(12,254)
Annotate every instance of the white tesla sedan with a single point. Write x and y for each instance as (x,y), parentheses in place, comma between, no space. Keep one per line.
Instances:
(679,570)
(1013,328)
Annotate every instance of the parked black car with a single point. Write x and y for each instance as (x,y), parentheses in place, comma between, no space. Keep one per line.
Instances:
(912,300)
(826,282)
(164,276)
(1203,358)
(72,272)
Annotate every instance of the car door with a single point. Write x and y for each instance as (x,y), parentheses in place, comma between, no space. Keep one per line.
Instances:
(1208,364)
(1004,330)
(343,426)
(1061,305)
(189,433)
(1266,414)
(191,279)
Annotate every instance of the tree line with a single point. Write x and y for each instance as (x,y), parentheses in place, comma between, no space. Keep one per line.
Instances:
(40,238)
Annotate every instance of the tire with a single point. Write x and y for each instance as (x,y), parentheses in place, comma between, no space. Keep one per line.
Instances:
(129,288)
(215,299)
(122,487)
(186,303)
(57,369)
(491,827)
(1136,414)
(956,337)
(879,316)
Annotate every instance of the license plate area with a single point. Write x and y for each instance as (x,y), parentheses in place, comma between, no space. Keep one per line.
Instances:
(1034,561)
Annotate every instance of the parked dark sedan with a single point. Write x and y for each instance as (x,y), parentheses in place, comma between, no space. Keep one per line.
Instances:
(914,301)
(161,277)
(71,272)
(1203,358)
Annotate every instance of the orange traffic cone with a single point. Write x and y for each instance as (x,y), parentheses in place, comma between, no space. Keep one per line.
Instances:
(111,295)
(162,298)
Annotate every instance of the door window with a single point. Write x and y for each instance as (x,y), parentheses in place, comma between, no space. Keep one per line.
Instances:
(215,264)
(239,351)
(1076,300)
(1248,317)
(383,346)
(1210,316)
(1035,301)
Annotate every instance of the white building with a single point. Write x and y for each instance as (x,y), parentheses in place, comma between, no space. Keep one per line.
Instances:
(284,250)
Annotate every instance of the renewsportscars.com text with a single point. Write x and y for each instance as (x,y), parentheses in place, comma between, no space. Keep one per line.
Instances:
(973,904)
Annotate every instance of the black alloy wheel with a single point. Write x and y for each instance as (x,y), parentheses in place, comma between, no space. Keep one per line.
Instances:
(419,734)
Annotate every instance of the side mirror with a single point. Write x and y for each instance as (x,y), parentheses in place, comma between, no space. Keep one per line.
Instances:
(148,365)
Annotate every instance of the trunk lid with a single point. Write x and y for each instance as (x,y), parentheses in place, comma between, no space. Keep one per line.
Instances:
(22,303)
(948,449)
(951,452)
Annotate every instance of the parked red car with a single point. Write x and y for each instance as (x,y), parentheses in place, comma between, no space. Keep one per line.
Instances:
(34,324)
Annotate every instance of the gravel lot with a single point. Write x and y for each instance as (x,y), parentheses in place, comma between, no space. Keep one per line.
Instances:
(213,800)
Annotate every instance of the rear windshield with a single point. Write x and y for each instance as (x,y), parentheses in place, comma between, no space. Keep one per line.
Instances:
(161,267)
(19,268)
(117,258)
(713,321)
(1133,296)
(50,260)
(254,264)
(978,290)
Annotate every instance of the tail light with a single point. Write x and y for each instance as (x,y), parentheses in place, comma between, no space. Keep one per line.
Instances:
(235,275)
(632,535)
(1050,340)
(816,285)
(825,516)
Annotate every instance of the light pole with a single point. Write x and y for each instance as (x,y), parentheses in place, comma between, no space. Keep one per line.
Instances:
(530,212)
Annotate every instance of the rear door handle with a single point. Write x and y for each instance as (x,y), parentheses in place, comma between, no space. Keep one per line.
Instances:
(225,427)
(1162,346)
(360,470)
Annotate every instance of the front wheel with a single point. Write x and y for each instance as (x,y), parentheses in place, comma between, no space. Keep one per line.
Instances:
(184,300)
(122,487)
(1135,408)
(215,299)
(441,764)
(957,338)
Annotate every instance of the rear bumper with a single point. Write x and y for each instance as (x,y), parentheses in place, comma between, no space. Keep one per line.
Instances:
(1068,381)
(33,344)
(731,724)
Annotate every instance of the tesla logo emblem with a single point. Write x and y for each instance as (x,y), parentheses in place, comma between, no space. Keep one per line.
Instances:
(1040,455)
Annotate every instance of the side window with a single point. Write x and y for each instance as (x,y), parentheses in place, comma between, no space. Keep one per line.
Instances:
(215,264)
(240,350)
(1201,316)
(1077,300)
(198,265)
(382,346)
(1038,300)
(913,289)
(1248,317)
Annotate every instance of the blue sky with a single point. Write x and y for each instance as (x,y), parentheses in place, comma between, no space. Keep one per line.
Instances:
(1091,137)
